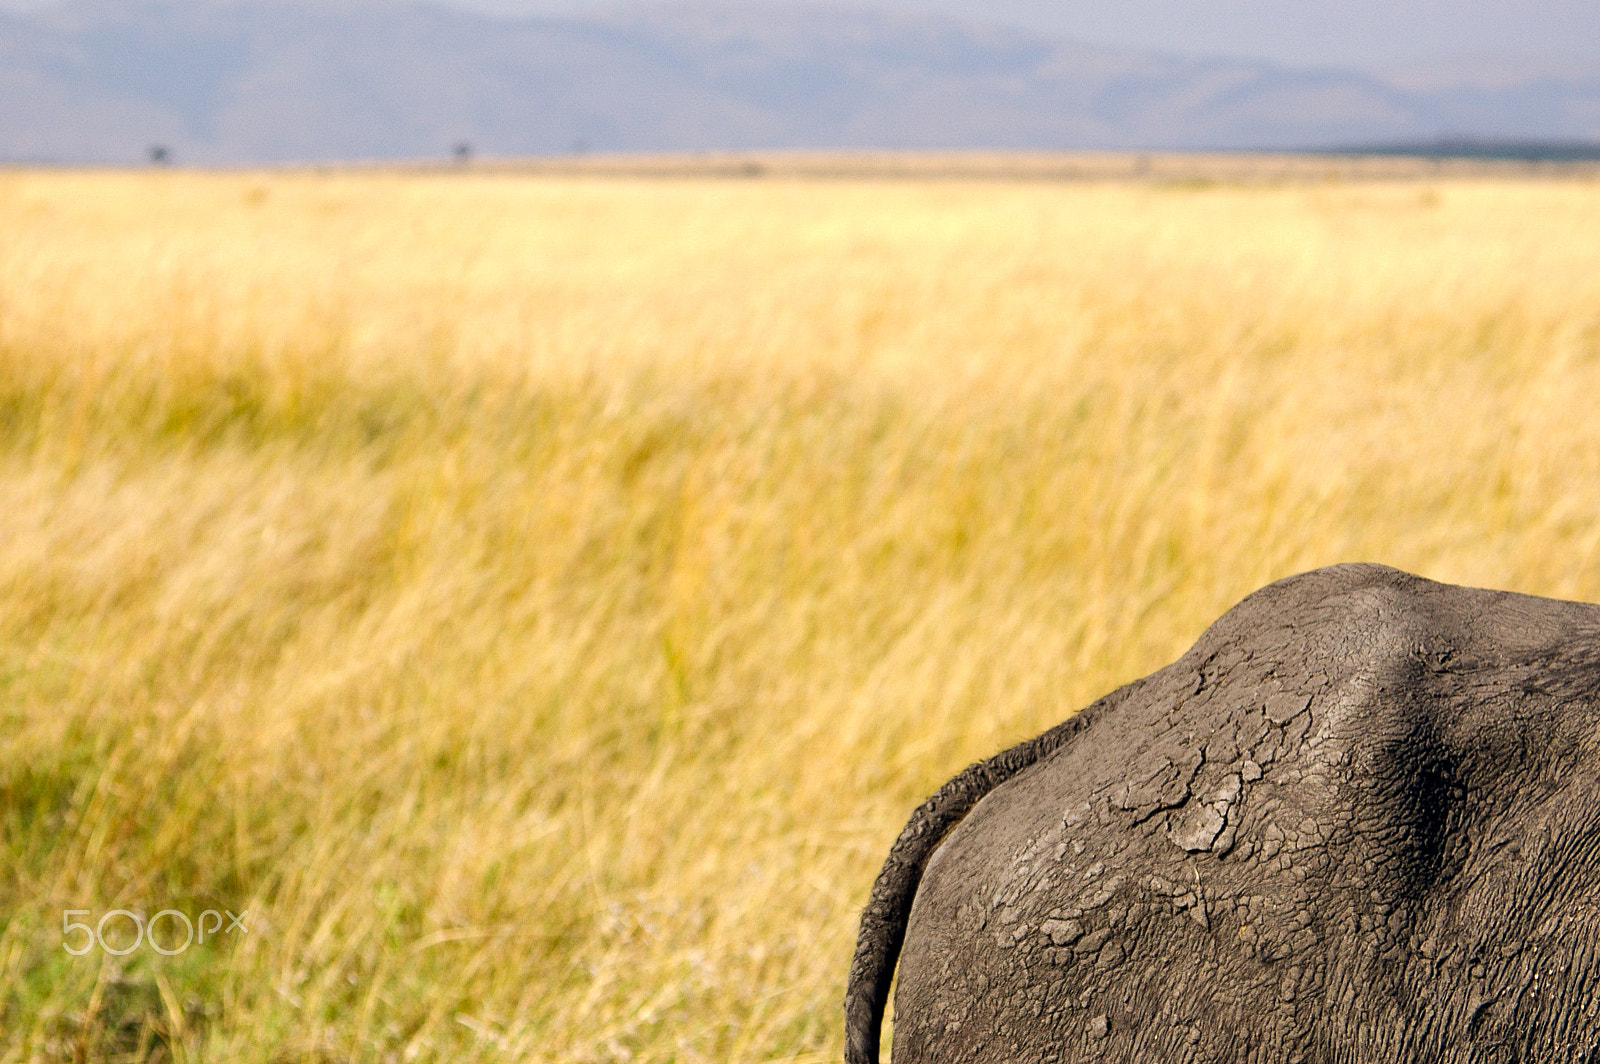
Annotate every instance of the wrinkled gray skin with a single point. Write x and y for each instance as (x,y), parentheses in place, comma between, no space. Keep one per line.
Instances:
(1358,822)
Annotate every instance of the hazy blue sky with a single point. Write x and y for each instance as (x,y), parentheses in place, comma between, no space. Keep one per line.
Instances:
(1346,32)
(1299,31)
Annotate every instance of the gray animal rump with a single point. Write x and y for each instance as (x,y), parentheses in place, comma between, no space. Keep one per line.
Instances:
(1359,821)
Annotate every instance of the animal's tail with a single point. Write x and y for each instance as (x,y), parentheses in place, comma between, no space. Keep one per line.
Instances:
(883,923)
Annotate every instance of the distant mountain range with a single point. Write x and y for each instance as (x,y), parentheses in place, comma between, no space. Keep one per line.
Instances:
(236,81)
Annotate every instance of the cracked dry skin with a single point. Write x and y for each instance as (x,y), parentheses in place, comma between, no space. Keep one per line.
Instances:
(1359,821)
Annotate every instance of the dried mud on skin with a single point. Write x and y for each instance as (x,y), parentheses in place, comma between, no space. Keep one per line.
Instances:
(1351,824)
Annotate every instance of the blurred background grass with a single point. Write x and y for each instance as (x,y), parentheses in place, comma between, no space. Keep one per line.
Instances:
(539,602)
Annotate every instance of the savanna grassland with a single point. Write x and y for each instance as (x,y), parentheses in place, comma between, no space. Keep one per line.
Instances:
(538,602)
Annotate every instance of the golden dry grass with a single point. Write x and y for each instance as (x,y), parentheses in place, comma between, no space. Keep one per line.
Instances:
(539,601)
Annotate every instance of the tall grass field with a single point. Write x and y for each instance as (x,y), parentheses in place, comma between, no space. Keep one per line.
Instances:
(534,604)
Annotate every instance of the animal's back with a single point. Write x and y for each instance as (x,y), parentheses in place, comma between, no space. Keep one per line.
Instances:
(1322,834)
